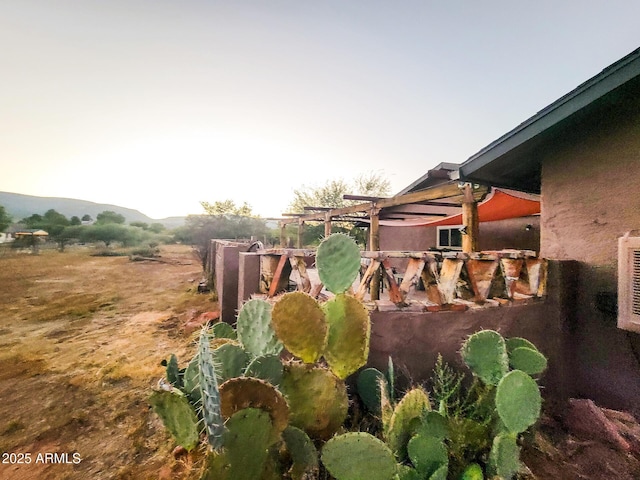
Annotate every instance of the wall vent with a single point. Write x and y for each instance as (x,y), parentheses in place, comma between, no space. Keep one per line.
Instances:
(629,283)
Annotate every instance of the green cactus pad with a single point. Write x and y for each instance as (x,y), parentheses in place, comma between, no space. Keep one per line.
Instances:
(255,331)
(210,395)
(218,342)
(191,381)
(406,419)
(303,453)
(405,472)
(173,372)
(317,399)
(349,329)
(485,353)
(300,324)
(223,330)
(427,454)
(434,425)
(472,472)
(177,415)
(358,456)
(504,458)
(230,361)
(268,368)
(440,474)
(528,360)
(247,439)
(338,262)
(369,384)
(515,342)
(246,392)
(518,401)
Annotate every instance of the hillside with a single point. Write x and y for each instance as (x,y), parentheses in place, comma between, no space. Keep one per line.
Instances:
(20,206)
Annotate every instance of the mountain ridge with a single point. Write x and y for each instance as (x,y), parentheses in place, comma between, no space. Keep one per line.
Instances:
(20,206)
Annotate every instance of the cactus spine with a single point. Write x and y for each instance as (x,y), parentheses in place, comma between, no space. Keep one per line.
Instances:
(210,395)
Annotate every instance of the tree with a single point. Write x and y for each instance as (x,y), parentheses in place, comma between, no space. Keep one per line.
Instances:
(227,207)
(142,225)
(109,233)
(86,218)
(75,220)
(330,194)
(109,216)
(157,227)
(5,219)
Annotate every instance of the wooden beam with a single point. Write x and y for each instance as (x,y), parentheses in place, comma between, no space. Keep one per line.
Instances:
(283,235)
(362,198)
(300,232)
(327,224)
(470,221)
(374,245)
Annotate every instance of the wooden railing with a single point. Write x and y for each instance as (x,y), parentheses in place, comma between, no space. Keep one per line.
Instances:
(450,280)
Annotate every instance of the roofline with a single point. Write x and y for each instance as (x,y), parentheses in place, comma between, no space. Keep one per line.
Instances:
(596,87)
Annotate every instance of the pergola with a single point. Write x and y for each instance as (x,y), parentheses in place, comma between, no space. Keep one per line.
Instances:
(444,196)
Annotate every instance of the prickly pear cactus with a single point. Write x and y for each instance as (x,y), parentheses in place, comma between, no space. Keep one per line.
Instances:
(223,330)
(210,396)
(246,392)
(529,360)
(518,401)
(406,419)
(516,342)
(504,458)
(485,353)
(255,331)
(338,262)
(230,360)
(358,456)
(304,455)
(191,382)
(173,372)
(370,383)
(349,330)
(300,324)
(267,367)
(317,399)
(472,472)
(427,454)
(177,415)
(247,439)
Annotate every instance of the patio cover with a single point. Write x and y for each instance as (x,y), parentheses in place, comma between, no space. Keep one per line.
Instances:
(501,204)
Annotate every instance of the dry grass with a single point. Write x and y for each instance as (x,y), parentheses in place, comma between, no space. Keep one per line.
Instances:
(81,338)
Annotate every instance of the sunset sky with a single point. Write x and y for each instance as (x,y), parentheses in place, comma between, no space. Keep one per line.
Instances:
(158,105)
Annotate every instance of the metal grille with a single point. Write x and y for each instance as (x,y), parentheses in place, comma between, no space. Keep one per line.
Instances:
(635,283)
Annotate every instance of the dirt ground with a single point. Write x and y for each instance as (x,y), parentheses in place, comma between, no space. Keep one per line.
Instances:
(81,340)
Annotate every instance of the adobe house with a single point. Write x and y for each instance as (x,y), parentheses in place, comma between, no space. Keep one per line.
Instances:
(582,155)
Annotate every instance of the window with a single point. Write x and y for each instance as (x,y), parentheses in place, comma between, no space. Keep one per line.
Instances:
(629,283)
(450,237)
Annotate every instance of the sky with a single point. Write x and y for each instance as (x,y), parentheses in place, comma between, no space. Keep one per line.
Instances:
(158,105)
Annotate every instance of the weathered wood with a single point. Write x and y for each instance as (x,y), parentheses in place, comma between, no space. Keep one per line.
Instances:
(470,220)
(283,235)
(411,275)
(374,245)
(394,292)
(511,269)
(300,233)
(327,224)
(448,279)
(372,270)
(300,275)
(277,275)
(481,273)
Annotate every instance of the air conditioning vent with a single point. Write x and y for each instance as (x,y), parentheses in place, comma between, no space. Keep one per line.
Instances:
(629,283)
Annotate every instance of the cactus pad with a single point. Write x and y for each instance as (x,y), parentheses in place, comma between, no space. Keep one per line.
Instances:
(504,458)
(427,454)
(358,456)
(485,353)
(191,381)
(303,453)
(528,360)
(230,361)
(177,415)
(349,329)
(515,342)
(245,392)
(338,262)
(173,372)
(268,368)
(255,331)
(518,401)
(406,419)
(210,395)
(317,399)
(434,425)
(300,324)
(370,382)
(223,330)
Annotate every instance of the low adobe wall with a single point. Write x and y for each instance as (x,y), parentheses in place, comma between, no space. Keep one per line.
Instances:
(414,339)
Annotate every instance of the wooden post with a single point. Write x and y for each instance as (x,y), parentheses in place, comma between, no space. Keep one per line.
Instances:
(470,221)
(374,246)
(283,235)
(300,233)
(327,224)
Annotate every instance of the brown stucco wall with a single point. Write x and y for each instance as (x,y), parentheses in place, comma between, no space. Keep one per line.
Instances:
(590,197)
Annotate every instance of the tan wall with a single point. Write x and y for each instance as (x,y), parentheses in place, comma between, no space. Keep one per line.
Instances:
(590,197)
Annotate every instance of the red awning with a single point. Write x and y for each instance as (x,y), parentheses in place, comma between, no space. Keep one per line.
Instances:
(499,205)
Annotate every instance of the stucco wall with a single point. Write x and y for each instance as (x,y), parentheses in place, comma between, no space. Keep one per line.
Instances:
(590,197)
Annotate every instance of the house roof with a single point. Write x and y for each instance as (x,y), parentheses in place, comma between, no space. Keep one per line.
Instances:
(514,160)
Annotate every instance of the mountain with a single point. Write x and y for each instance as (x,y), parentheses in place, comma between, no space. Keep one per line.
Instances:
(20,206)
